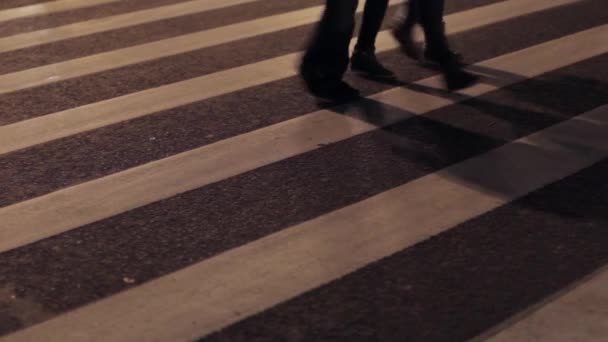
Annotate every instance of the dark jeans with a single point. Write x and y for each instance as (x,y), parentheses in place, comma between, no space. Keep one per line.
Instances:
(429,14)
(373,15)
(327,56)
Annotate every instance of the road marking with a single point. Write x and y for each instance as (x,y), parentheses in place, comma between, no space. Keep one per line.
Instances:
(29,39)
(88,117)
(48,8)
(241,282)
(98,199)
(158,49)
(168,47)
(579,314)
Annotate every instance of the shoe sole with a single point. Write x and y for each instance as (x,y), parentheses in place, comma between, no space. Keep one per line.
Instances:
(367,74)
(471,83)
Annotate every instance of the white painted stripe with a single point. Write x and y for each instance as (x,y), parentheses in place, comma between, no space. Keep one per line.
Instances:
(81,119)
(163,48)
(579,314)
(29,39)
(48,7)
(222,290)
(88,202)
(168,47)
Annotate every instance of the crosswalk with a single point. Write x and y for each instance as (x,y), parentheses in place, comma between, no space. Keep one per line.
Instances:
(79,29)
(48,8)
(184,186)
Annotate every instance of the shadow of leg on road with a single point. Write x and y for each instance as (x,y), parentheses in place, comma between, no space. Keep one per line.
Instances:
(488,120)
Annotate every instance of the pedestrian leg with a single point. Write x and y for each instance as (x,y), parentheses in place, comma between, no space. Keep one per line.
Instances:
(404,29)
(327,56)
(364,57)
(437,47)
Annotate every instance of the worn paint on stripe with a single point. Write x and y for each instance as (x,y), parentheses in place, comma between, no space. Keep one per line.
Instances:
(244,281)
(85,203)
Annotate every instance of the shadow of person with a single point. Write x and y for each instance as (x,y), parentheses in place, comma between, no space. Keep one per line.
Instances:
(539,104)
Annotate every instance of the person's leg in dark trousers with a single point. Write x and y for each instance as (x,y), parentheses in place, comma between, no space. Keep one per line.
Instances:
(327,57)
(404,30)
(373,16)
(364,57)
(429,14)
(437,47)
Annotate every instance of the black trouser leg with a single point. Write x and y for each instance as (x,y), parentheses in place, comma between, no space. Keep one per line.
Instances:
(405,24)
(373,15)
(431,20)
(327,55)
(411,19)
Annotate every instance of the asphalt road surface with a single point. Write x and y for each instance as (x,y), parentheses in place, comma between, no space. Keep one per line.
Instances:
(164,176)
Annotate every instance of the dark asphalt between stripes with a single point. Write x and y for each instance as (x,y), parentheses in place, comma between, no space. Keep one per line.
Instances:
(108,84)
(45,21)
(140,34)
(7,4)
(451,287)
(25,174)
(457,284)
(154,240)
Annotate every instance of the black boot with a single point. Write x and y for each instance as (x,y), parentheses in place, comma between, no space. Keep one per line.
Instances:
(454,76)
(324,86)
(438,50)
(365,62)
(434,57)
(450,63)
(334,91)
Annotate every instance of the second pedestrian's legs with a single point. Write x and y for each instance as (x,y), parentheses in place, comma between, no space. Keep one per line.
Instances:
(429,13)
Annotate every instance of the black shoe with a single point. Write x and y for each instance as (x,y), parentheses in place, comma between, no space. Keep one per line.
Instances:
(334,91)
(438,49)
(456,79)
(324,86)
(406,42)
(367,64)
(311,74)
(442,58)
